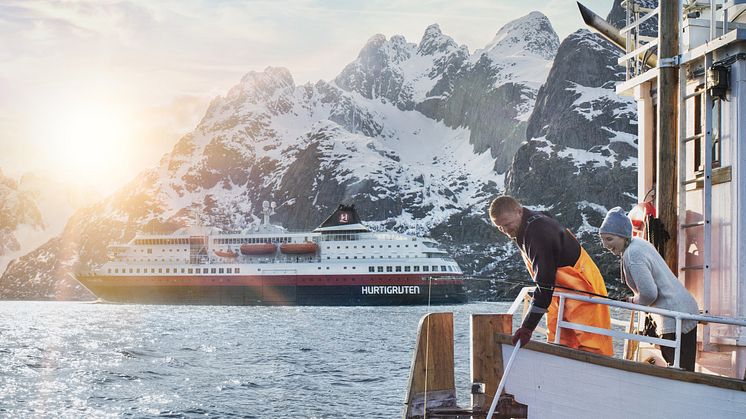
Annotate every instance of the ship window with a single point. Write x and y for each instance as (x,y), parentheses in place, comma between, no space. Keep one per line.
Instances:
(319,267)
(416,268)
(238,270)
(130,270)
(354,247)
(425,269)
(221,271)
(168,271)
(397,245)
(182,270)
(442,268)
(190,271)
(229,270)
(150,251)
(353,267)
(345,267)
(380,269)
(389,269)
(138,270)
(450,268)
(398,269)
(407,269)
(415,245)
(328,257)
(213,270)
(116,270)
(347,257)
(389,246)
(381,246)
(160,270)
(199,270)
(354,257)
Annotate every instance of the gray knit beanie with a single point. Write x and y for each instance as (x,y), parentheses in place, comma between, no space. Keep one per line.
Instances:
(617,223)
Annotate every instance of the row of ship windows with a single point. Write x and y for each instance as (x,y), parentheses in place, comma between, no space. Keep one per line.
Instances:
(183,270)
(407,268)
(372,246)
(254,240)
(161,241)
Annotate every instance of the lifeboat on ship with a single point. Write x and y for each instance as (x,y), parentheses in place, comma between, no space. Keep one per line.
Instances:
(258,248)
(299,248)
(226,254)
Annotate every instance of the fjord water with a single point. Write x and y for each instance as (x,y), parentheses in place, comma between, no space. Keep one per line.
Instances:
(100,360)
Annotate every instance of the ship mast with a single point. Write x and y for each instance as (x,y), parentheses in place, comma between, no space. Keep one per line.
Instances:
(666,176)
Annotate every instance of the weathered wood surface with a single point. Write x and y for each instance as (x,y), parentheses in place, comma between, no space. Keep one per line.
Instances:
(486,353)
(431,377)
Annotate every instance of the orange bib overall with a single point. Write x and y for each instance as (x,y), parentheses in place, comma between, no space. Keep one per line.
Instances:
(583,276)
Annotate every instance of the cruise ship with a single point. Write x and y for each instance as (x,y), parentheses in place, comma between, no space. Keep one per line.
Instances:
(341,262)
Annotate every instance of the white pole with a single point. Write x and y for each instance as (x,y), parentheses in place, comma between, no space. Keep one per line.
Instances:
(503,380)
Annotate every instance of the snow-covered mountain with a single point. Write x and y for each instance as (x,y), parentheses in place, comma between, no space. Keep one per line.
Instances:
(418,136)
(34,210)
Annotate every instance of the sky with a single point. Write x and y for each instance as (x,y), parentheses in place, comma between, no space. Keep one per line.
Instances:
(93,92)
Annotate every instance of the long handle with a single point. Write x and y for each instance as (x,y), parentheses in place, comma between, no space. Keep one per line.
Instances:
(503,380)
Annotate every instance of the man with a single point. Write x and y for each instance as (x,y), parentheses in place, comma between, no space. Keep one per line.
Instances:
(554,257)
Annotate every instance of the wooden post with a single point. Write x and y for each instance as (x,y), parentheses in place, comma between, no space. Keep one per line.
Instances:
(667,179)
(431,378)
(487,355)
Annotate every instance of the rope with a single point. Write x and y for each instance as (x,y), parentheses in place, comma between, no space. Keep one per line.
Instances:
(427,343)
(540,286)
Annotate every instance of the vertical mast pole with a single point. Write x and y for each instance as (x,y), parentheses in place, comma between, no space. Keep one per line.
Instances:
(667,179)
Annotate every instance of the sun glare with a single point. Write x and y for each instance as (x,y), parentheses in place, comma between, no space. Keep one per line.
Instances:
(86,143)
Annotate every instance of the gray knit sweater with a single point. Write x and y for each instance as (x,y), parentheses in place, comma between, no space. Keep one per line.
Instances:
(653,283)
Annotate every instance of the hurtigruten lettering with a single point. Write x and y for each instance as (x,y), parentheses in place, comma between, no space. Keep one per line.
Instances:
(391,289)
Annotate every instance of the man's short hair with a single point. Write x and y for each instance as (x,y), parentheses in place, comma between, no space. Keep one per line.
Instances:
(503,204)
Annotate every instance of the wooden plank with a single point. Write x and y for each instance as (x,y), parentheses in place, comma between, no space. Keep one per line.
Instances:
(486,352)
(431,377)
(630,366)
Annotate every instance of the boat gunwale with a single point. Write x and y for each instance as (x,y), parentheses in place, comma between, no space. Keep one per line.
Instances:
(627,365)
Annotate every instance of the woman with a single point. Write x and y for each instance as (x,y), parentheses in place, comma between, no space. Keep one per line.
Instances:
(653,284)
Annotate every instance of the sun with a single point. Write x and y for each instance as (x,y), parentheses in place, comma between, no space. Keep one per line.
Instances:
(87,142)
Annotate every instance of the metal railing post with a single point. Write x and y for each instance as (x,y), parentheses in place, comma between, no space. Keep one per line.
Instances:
(560,315)
(677,350)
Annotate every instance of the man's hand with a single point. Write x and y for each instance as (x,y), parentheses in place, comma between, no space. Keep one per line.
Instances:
(523,334)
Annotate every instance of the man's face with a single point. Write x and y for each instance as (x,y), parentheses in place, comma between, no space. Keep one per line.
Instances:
(509,222)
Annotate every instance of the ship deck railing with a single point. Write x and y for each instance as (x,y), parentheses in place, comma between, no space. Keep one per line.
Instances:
(523,296)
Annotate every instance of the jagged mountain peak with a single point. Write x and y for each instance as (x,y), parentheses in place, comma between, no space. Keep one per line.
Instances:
(377,48)
(532,34)
(434,41)
(267,81)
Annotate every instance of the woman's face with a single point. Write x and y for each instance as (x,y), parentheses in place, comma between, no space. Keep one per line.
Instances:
(613,243)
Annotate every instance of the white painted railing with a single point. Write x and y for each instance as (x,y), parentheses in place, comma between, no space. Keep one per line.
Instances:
(678,316)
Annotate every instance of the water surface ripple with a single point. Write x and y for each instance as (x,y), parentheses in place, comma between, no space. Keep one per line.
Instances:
(101,360)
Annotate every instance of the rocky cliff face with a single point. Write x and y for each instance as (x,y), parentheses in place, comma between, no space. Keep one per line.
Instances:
(581,156)
(18,212)
(418,136)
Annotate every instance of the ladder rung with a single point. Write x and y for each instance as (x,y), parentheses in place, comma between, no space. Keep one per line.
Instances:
(692,137)
(691,95)
(638,22)
(692,268)
(688,225)
(690,181)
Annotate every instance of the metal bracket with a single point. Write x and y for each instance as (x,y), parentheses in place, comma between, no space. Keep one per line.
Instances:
(669,62)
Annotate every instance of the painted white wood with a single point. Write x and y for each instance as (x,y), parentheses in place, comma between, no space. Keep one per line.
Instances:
(557,387)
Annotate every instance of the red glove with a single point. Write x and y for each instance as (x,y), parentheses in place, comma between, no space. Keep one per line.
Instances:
(523,334)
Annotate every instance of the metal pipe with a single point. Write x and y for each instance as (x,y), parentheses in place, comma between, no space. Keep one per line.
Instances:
(610,32)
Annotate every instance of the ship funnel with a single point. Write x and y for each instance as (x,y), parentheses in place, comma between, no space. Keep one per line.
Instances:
(611,33)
